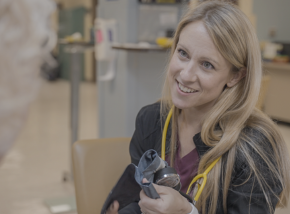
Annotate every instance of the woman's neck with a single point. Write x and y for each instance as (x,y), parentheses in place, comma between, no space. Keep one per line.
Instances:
(189,124)
(191,118)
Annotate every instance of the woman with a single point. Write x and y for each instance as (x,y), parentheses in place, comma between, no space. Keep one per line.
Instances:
(213,83)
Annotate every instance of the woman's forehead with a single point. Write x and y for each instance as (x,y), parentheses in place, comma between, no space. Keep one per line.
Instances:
(195,38)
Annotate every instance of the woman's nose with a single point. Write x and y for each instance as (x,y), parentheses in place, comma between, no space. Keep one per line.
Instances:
(189,72)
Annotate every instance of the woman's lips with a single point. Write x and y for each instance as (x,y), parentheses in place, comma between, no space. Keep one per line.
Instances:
(185,89)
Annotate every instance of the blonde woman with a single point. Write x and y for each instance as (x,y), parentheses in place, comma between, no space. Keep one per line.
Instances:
(212,82)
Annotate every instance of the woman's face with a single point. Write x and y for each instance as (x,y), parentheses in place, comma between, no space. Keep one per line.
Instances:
(197,70)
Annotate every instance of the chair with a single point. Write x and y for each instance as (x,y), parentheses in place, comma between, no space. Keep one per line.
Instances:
(97,165)
(263,91)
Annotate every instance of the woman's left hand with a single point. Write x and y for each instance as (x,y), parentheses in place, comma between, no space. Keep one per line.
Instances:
(170,202)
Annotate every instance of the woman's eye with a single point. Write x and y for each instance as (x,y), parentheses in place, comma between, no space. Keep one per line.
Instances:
(207,65)
(182,53)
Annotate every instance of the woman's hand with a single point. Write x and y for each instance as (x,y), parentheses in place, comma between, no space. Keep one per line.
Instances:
(170,201)
(113,209)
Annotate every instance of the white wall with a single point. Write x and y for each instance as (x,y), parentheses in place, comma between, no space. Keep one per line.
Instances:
(272,14)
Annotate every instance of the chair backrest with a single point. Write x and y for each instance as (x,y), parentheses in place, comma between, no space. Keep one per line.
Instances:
(97,165)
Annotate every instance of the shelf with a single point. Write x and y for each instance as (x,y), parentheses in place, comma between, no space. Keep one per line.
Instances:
(276,66)
(77,47)
(138,47)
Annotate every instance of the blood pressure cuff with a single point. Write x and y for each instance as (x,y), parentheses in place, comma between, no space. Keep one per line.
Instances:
(128,187)
(149,163)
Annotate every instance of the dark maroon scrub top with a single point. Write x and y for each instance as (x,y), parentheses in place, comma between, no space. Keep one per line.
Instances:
(186,167)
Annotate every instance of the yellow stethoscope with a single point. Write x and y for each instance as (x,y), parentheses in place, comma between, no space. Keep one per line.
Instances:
(203,175)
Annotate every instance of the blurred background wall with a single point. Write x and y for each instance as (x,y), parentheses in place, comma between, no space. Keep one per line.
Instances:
(86,12)
(272,19)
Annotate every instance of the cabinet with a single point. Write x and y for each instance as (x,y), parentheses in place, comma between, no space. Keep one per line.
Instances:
(277,103)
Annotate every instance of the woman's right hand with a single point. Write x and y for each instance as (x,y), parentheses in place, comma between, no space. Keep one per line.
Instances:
(170,201)
(113,209)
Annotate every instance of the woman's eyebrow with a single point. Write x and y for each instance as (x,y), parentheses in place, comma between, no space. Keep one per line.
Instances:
(183,47)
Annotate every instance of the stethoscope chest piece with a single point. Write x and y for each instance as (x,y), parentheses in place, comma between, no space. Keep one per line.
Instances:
(167,177)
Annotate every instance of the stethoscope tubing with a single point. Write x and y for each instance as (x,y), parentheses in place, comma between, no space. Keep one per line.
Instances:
(199,176)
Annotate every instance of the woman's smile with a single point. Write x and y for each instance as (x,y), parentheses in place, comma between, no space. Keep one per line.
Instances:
(184,89)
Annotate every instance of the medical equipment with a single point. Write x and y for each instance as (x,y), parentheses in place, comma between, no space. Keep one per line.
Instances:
(202,176)
(106,36)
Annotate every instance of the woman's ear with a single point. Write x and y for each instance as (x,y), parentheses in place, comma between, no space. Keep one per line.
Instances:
(236,77)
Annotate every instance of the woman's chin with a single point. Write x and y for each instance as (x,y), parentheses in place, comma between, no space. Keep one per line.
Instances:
(181,105)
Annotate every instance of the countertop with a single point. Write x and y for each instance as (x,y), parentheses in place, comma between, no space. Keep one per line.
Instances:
(276,66)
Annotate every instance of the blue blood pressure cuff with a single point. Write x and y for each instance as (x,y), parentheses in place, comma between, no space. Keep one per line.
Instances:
(148,165)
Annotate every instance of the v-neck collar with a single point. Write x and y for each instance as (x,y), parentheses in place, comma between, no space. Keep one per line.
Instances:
(201,147)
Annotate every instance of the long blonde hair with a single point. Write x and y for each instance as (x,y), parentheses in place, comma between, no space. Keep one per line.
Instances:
(235,38)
